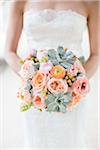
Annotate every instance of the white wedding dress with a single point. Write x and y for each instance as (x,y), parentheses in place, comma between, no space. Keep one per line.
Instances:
(50,28)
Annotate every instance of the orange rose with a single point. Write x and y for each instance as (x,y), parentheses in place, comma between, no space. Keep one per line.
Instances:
(39,81)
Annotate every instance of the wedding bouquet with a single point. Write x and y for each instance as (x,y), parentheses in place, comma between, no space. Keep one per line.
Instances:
(52,80)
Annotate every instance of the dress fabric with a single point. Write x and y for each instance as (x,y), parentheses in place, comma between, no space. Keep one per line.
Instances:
(50,28)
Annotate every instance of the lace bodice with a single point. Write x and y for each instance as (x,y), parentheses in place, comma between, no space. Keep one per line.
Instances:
(50,28)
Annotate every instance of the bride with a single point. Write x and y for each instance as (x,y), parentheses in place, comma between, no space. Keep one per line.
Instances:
(48,24)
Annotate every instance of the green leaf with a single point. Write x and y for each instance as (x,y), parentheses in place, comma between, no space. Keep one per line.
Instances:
(66,64)
(51,107)
(21,62)
(36,65)
(58,58)
(28,86)
(68,54)
(62,108)
(67,97)
(70,61)
(82,59)
(61,51)
(50,99)
(52,53)
(59,95)
(25,107)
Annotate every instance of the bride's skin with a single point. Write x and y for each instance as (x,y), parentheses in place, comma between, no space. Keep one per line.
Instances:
(89,9)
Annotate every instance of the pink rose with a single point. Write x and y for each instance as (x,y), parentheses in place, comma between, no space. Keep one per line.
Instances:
(57,85)
(46,67)
(27,70)
(81,85)
(39,101)
(72,70)
(75,68)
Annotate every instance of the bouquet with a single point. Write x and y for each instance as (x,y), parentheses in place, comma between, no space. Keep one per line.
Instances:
(52,80)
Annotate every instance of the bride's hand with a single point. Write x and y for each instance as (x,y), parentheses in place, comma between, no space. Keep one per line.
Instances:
(13,60)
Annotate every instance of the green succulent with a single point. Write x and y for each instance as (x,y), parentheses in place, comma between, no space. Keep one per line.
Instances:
(62,57)
(58,102)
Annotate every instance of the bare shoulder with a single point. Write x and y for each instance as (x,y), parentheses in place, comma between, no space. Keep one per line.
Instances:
(92,7)
(18,5)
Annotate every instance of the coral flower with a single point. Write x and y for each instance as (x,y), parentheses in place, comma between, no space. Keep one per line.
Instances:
(57,85)
(58,72)
(39,81)
(39,101)
(75,100)
(81,85)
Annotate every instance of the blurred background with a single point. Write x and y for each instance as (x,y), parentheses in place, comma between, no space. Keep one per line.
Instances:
(11,129)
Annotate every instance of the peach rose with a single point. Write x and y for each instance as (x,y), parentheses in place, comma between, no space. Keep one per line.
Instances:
(39,101)
(57,85)
(81,85)
(75,100)
(39,81)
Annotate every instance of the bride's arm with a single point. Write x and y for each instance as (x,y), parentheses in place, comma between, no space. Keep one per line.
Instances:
(93,21)
(13,34)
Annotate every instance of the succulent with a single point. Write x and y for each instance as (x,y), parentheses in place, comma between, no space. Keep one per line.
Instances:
(61,57)
(29,87)
(58,102)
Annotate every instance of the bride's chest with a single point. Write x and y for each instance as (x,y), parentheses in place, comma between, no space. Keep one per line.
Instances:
(53,23)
